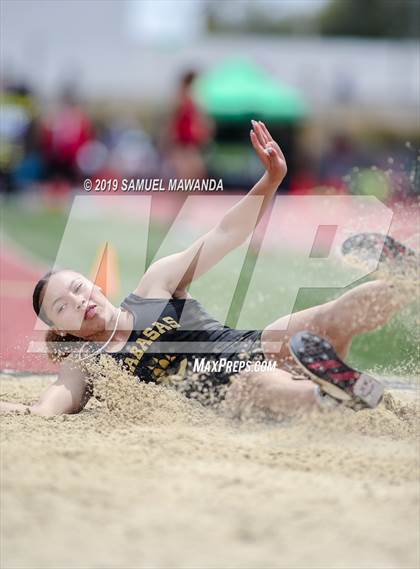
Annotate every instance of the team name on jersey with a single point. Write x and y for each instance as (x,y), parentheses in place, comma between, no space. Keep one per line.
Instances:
(147,338)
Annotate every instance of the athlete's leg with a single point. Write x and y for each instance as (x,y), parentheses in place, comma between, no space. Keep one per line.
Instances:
(273,392)
(362,309)
(367,307)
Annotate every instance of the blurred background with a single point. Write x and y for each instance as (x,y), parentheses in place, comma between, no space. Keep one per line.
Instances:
(165,89)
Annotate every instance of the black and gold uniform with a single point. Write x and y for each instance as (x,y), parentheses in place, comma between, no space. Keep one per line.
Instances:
(169,334)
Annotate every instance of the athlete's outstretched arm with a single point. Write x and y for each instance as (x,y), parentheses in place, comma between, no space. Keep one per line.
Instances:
(68,395)
(175,272)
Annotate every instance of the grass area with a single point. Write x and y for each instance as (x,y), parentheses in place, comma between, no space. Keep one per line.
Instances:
(41,233)
(38,231)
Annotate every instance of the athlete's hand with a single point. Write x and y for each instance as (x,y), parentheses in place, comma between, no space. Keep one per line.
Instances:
(268,151)
(7,407)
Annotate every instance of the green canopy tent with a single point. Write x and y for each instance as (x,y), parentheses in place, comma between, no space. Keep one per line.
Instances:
(232,94)
(239,89)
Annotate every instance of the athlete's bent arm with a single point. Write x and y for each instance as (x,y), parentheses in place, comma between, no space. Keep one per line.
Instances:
(175,272)
(68,395)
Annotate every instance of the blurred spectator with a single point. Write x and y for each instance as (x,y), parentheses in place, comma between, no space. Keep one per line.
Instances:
(64,131)
(20,162)
(304,180)
(62,146)
(338,162)
(189,131)
(131,150)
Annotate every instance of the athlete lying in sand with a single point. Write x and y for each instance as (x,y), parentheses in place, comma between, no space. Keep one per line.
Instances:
(155,322)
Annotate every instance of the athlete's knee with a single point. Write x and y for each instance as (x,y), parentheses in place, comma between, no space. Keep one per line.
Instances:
(333,324)
(364,307)
(326,321)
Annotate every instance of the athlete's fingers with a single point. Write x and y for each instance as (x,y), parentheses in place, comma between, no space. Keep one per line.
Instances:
(266,132)
(256,140)
(272,149)
(256,143)
(261,152)
(258,132)
(277,150)
(263,133)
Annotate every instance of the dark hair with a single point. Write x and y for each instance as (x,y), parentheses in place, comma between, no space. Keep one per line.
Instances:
(37,296)
(56,344)
(188,78)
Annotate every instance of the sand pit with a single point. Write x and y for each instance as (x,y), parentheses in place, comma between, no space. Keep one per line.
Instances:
(152,480)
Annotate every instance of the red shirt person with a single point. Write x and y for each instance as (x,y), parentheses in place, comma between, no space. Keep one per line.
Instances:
(190,125)
(190,130)
(64,132)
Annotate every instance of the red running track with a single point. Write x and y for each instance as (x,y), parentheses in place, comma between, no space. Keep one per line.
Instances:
(18,274)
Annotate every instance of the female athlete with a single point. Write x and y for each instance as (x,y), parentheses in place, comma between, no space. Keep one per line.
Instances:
(151,330)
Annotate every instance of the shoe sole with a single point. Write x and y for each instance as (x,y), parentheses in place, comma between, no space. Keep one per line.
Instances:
(363,389)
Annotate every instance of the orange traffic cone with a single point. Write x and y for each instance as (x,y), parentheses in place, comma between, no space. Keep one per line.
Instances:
(105,271)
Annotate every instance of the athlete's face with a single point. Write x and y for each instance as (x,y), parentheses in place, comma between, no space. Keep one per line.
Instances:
(75,305)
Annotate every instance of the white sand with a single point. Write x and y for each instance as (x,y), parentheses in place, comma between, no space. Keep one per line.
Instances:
(151,480)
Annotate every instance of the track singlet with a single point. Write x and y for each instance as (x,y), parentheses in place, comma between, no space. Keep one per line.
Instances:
(169,333)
